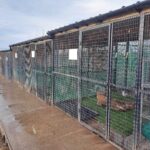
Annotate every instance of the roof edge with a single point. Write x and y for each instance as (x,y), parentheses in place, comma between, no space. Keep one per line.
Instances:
(137,7)
(7,50)
(42,38)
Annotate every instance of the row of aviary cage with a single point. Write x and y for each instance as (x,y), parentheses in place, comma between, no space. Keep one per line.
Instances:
(99,74)
(32,67)
(98,79)
(6,64)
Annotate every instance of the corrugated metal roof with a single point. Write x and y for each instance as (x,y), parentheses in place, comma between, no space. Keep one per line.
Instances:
(42,38)
(137,7)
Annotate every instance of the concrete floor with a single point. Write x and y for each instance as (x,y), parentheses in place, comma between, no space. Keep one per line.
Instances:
(30,124)
(3,145)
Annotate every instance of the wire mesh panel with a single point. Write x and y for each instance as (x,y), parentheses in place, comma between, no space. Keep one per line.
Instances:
(65,72)
(21,65)
(124,66)
(33,83)
(27,54)
(7,65)
(10,65)
(2,58)
(49,69)
(15,62)
(63,45)
(94,70)
(65,94)
(40,69)
(145,127)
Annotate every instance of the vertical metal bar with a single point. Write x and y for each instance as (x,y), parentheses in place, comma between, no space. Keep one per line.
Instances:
(137,125)
(18,61)
(11,64)
(142,70)
(45,75)
(23,65)
(35,63)
(46,72)
(16,64)
(79,75)
(53,75)
(126,63)
(33,70)
(109,79)
(19,64)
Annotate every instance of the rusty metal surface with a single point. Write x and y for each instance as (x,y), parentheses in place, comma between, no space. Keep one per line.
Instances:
(32,125)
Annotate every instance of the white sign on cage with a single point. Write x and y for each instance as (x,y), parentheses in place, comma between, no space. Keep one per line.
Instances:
(6,58)
(16,55)
(33,54)
(73,54)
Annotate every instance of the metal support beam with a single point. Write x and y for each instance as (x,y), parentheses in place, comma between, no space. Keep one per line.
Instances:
(79,75)
(47,73)
(138,106)
(109,79)
(45,70)
(35,68)
(53,75)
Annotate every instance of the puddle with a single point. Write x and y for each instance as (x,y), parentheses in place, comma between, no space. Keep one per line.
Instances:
(15,131)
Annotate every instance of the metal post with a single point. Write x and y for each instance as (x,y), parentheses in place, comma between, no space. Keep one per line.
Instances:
(11,63)
(33,73)
(109,80)
(79,75)
(45,70)
(138,110)
(52,73)
(142,71)
(35,69)
(19,72)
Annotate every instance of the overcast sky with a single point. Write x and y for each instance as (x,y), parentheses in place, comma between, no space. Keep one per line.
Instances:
(26,19)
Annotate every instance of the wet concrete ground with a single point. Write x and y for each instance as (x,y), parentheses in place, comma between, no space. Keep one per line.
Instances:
(3,145)
(30,124)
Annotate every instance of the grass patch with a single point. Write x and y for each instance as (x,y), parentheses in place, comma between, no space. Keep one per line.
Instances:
(121,122)
(119,97)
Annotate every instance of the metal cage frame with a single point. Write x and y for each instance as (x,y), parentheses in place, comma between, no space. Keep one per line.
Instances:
(57,81)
